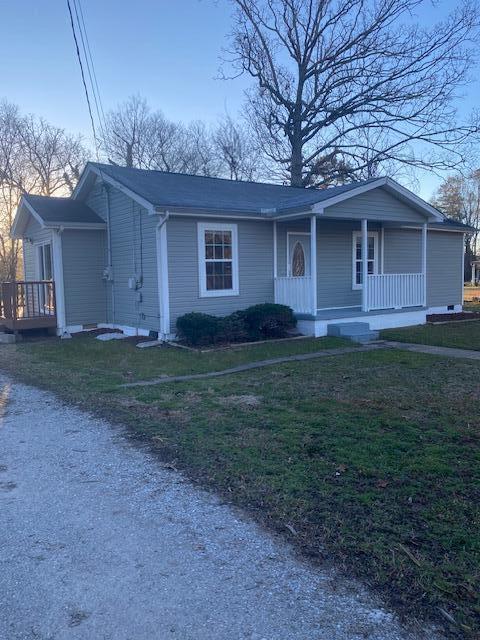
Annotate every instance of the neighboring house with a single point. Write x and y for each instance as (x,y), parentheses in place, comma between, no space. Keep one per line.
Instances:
(135,249)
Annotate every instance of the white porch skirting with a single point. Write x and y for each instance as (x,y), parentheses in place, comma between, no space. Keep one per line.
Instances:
(376,320)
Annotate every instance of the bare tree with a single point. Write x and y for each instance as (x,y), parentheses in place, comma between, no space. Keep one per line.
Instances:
(127,133)
(238,157)
(136,136)
(326,70)
(459,198)
(35,157)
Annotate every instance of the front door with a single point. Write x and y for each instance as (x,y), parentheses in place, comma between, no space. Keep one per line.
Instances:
(298,258)
(45,273)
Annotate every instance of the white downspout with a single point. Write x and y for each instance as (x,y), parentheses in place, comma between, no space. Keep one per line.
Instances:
(162,273)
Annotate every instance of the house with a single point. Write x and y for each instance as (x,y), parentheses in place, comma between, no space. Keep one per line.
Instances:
(135,249)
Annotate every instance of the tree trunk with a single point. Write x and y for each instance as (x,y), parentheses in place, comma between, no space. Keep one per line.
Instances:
(296,166)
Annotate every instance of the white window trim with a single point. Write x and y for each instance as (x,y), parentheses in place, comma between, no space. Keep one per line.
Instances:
(358,235)
(202,274)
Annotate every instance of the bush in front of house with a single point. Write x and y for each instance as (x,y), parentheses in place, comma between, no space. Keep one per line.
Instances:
(268,320)
(199,328)
(262,321)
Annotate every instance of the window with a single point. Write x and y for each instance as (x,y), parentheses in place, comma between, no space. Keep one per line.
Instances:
(357,257)
(298,260)
(218,259)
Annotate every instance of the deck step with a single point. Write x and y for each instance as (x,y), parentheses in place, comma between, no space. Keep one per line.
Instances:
(355,331)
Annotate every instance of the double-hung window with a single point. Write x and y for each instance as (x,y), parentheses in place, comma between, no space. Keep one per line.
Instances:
(218,259)
(372,259)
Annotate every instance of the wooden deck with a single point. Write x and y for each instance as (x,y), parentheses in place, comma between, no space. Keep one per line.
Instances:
(27,305)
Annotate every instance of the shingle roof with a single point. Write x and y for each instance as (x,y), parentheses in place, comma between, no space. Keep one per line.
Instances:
(52,210)
(163,189)
(455,224)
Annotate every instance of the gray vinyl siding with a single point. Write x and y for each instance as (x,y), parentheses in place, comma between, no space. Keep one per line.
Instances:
(403,254)
(83,255)
(378,205)
(37,235)
(444,268)
(403,251)
(133,240)
(255,254)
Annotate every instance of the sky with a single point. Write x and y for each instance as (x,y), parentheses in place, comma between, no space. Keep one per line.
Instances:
(168,51)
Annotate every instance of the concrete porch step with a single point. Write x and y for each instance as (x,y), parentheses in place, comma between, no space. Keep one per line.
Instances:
(355,331)
(7,338)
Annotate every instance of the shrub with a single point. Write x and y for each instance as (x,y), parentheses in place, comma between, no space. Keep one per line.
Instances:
(199,328)
(257,322)
(233,328)
(268,320)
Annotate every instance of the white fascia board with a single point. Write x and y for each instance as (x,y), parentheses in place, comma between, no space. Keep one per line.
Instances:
(23,207)
(76,225)
(320,206)
(414,199)
(391,185)
(433,229)
(294,216)
(200,214)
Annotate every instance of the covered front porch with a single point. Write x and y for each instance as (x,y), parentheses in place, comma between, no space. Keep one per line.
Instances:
(341,269)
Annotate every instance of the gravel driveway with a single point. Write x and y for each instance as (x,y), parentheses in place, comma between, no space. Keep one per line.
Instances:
(99,541)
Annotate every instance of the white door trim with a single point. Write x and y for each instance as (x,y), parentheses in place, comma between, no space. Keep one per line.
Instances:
(293,233)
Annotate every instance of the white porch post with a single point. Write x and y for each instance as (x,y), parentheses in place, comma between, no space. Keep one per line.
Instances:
(473,273)
(59,282)
(313,262)
(424,263)
(364,265)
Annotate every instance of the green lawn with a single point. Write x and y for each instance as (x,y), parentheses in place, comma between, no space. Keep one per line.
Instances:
(107,364)
(462,335)
(372,458)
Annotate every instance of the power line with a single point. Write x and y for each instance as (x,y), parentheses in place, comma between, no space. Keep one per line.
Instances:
(87,54)
(83,76)
(91,60)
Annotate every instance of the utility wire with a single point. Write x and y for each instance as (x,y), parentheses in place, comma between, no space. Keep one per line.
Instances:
(91,61)
(87,54)
(83,77)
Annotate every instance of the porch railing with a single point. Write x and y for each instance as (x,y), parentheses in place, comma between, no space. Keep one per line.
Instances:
(295,292)
(27,303)
(395,290)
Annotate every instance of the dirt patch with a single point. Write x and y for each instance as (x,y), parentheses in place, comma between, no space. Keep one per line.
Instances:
(153,410)
(243,402)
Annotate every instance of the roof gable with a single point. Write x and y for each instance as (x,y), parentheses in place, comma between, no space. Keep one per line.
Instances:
(52,212)
(162,191)
(169,191)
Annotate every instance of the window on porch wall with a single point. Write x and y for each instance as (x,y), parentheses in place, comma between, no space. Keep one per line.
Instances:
(357,257)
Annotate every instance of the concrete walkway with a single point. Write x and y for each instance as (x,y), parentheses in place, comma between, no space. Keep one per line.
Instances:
(99,541)
(449,352)
(256,365)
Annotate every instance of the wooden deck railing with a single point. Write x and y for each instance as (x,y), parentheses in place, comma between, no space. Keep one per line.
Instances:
(27,304)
